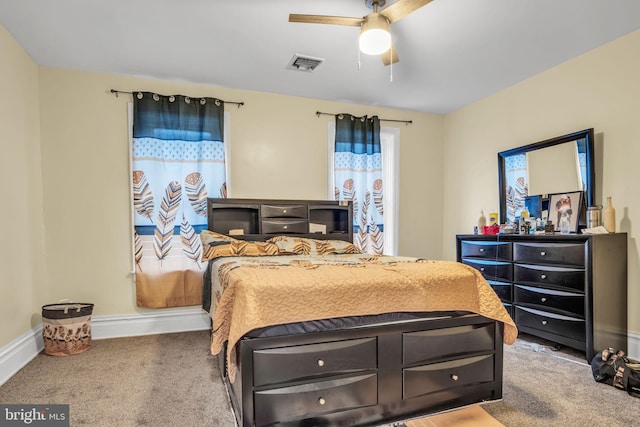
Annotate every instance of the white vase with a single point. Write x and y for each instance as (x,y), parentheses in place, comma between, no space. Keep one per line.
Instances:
(609,216)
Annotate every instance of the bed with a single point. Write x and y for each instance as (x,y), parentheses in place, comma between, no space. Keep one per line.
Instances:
(309,332)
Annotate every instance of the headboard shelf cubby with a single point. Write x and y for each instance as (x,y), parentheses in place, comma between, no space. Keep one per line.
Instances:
(260,219)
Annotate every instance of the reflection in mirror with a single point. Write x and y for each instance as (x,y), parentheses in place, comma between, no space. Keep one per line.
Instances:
(530,173)
(555,169)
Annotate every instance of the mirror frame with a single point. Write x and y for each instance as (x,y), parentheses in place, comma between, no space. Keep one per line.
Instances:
(586,134)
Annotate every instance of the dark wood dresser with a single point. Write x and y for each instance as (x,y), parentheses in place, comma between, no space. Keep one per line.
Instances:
(569,289)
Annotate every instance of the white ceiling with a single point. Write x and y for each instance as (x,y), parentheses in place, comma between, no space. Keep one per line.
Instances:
(452,52)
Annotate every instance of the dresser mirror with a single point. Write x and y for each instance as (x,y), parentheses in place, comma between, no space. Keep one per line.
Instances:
(528,174)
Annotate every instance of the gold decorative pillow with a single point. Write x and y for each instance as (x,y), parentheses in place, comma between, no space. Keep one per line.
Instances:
(208,237)
(305,246)
(237,248)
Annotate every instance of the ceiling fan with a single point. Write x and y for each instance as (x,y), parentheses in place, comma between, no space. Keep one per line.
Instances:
(375,32)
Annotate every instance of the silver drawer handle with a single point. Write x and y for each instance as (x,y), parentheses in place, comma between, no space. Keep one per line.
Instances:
(543,299)
(543,253)
(284,211)
(322,401)
(544,322)
(320,362)
(284,227)
(481,268)
(543,276)
(482,250)
(454,377)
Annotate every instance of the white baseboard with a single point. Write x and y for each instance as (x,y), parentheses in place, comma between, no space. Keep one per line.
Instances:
(18,353)
(23,349)
(149,323)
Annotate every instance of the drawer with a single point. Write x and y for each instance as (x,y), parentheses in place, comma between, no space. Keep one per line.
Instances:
(313,399)
(549,299)
(499,251)
(502,289)
(565,277)
(557,324)
(284,211)
(492,270)
(284,226)
(570,254)
(452,374)
(278,365)
(422,346)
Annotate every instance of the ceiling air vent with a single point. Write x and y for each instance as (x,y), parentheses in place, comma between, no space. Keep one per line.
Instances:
(303,63)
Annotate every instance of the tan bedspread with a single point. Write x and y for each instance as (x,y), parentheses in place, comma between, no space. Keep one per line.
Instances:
(265,291)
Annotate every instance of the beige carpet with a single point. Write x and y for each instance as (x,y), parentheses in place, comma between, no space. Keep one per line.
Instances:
(172,380)
(473,416)
(156,380)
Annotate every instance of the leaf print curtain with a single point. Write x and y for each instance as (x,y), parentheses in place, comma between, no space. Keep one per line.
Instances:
(177,162)
(358,177)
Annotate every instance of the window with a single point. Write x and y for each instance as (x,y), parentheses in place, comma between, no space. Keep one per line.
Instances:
(390,142)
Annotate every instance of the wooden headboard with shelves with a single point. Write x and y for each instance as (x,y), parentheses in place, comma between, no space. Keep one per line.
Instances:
(260,219)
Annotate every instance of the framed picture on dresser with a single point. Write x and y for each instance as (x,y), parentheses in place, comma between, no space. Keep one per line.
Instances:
(565,210)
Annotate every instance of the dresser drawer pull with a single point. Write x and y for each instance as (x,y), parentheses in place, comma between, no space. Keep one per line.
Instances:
(320,362)
(321,401)
(284,211)
(284,227)
(543,276)
(543,253)
(482,250)
(544,322)
(454,377)
(481,268)
(543,299)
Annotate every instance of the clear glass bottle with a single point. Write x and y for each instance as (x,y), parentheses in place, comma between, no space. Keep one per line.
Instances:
(564,225)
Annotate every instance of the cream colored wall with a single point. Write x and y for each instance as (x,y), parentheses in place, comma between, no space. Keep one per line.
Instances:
(599,89)
(278,150)
(22,258)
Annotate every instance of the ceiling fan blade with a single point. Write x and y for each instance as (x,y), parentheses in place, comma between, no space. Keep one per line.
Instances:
(322,19)
(402,8)
(390,56)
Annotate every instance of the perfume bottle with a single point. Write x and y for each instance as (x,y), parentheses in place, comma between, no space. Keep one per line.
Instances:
(482,222)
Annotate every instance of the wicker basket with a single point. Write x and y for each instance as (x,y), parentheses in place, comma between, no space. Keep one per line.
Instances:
(66,328)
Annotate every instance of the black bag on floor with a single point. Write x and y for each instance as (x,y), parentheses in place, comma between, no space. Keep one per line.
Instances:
(631,379)
(614,368)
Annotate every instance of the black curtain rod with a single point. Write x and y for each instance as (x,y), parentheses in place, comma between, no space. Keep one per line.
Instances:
(406,122)
(116,92)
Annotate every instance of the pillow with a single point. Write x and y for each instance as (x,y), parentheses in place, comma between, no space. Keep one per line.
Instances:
(208,237)
(305,246)
(218,247)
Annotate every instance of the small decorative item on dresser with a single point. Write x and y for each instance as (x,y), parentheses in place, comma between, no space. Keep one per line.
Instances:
(609,214)
(493,218)
(564,211)
(594,216)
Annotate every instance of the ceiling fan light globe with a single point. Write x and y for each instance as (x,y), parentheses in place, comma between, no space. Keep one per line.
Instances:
(375,35)
(375,42)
